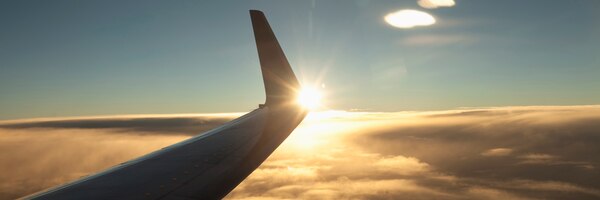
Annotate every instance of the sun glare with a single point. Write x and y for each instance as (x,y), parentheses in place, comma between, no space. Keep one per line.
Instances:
(309,98)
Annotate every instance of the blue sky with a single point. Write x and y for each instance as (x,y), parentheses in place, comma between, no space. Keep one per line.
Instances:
(72,58)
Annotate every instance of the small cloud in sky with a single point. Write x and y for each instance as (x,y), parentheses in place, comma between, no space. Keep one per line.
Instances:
(409,19)
(432,4)
(497,152)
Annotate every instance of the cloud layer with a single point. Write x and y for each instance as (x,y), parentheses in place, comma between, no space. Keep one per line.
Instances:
(496,153)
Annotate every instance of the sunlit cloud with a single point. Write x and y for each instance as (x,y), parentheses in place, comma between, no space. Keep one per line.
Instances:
(409,19)
(402,165)
(492,194)
(538,157)
(497,152)
(552,186)
(432,4)
(546,159)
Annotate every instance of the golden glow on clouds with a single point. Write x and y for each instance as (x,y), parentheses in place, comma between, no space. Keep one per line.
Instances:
(431,4)
(350,155)
(313,134)
(409,19)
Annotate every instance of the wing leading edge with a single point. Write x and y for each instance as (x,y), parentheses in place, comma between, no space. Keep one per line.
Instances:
(210,165)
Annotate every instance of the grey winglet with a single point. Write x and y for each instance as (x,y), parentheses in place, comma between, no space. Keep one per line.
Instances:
(281,85)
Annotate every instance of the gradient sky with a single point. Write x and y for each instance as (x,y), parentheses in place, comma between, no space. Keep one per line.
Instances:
(70,58)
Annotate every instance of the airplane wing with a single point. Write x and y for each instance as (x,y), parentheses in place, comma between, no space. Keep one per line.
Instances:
(210,165)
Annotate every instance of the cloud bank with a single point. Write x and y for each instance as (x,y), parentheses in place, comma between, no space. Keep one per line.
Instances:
(494,153)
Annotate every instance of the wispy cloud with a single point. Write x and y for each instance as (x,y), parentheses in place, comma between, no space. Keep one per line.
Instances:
(437,39)
(497,152)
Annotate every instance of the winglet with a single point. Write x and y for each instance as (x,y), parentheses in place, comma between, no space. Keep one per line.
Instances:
(281,84)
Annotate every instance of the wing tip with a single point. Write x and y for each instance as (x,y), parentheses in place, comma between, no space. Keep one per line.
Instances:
(280,81)
(254,11)
(257,15)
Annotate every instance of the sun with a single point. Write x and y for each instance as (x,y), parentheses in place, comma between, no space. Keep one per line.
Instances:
(309,98)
